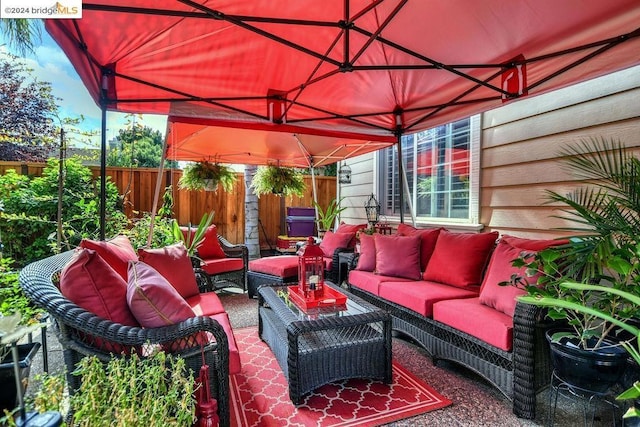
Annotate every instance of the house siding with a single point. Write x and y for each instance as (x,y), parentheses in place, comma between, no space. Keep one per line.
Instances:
(520,144)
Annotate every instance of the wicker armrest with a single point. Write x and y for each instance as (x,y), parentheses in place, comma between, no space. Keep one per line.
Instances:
(234,251)
(335,263)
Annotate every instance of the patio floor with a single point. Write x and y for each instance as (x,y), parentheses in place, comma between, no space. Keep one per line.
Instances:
(475,402)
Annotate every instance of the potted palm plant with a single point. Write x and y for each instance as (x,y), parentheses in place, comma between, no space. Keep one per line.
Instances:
(205,175)
(281,181)
(327,218)
(602,251)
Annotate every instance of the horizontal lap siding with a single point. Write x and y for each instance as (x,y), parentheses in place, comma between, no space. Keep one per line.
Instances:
(358,192)
(521,142)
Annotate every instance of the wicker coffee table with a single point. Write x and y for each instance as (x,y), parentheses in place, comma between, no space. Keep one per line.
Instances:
(325,344)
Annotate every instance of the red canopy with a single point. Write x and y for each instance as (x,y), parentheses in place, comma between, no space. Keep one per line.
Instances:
(351,69)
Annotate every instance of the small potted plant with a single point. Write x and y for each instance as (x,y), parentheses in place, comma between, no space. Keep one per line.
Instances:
(327,218)
(207,176)
(281,181)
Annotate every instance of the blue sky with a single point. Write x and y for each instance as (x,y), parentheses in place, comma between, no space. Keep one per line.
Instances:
(50,64)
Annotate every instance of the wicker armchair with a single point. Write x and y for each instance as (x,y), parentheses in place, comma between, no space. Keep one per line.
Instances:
(224,263)
(82,333)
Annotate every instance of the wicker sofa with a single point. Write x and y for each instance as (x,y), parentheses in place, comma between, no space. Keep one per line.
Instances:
(503,343)
(84,333)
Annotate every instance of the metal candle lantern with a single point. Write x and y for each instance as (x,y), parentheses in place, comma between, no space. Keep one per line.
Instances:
(372,208)
(311,270)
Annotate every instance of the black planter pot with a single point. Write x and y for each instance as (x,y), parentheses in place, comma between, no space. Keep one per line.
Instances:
(593,371)
(8,392)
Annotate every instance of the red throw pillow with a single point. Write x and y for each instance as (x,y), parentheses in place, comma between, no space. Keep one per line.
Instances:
(429,238)
(332,241)
(535,245)
(117,252)
(88,281)
(152,299)
(459,258)
(398,256)
(210,246)
(175,265)
(367,258)
(502,298)
(351,228)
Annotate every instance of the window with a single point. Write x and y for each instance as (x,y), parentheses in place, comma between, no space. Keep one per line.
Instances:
(442,168)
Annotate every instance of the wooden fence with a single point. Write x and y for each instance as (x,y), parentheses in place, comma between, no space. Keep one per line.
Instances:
(138,187)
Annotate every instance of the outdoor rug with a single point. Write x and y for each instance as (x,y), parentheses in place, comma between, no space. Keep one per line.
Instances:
(260,394)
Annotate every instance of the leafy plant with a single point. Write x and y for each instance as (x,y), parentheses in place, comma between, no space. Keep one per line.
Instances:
(604,250)
(278,180)
(193,238)
(12,298)
(139,232)
(327,218)
(195,176)
(153,391)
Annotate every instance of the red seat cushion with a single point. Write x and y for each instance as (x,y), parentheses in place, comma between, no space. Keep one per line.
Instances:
(367,257)
(485,323)
(332,241)
(459,258)
(420,296)
(234,355)
(429,238)
(117,252)
(370,282)
(175,265)
(398,256)
(222,265)
(206,304)
(280,266)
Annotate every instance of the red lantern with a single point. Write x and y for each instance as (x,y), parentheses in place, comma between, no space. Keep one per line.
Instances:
(311,270)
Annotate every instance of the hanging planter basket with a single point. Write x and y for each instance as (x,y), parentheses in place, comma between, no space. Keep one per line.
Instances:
(207,176)
(281,181)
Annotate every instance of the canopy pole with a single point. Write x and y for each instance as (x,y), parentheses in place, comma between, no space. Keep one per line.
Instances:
(103,159)
(401,174)
(156,196)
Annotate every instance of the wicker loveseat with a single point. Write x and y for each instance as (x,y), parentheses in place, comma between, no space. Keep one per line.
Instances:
(83,333)
(481,328)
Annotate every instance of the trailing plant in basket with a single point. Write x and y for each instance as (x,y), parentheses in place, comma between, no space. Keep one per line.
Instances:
(604,250)
(281,181)
(201,175)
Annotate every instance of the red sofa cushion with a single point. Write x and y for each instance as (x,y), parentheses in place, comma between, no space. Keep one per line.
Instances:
(206,304)
(370,282)
(332,241)
(535,245)
(210,246)
(367,257)
(420,296)
(459,258)
(502,298)
(429,238)
(222,265)
(175,265)
(280,266)
(398,256)
(117,252)
(88,281)
(351,228)
(234,355)
(485,323)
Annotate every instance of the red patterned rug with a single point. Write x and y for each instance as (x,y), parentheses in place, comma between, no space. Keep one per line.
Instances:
(260,394)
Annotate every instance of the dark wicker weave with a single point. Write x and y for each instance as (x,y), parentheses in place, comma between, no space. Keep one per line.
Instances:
(82,333)
(313,352)
(519,374)
(256,279)
(234,278)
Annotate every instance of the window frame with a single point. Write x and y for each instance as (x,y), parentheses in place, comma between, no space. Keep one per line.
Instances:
(472,222)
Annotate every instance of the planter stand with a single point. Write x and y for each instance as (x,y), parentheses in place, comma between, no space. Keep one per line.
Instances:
(590,401)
